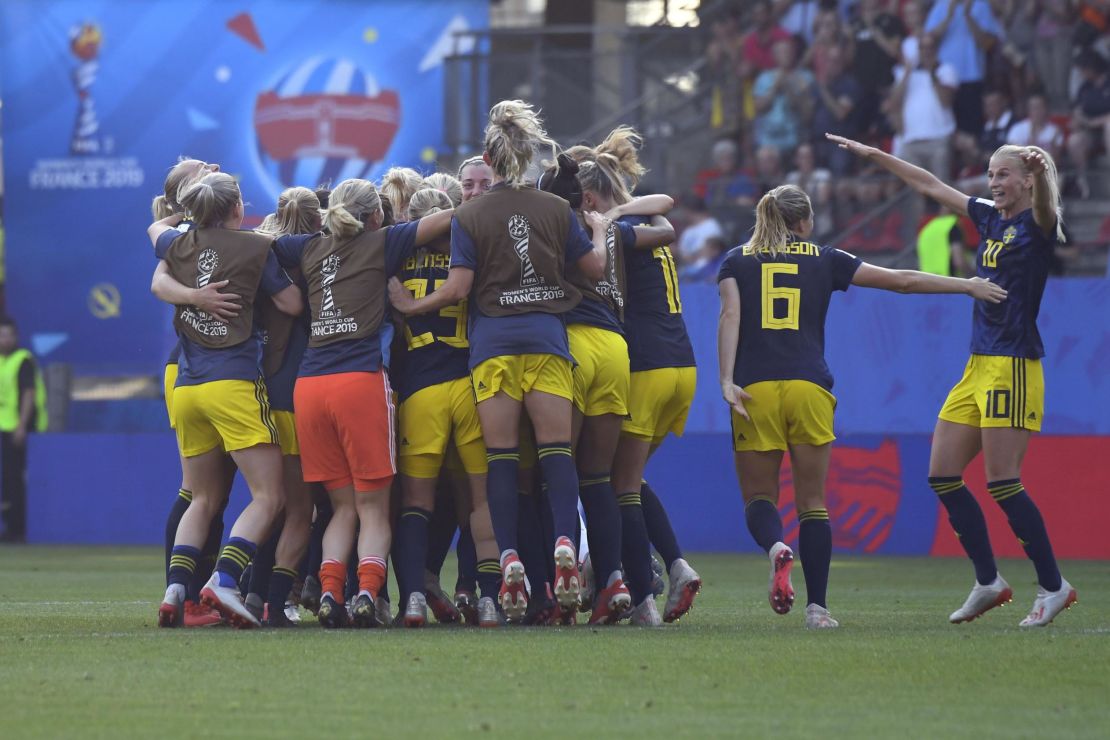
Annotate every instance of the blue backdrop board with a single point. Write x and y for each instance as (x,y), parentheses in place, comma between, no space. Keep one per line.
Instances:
(100,99)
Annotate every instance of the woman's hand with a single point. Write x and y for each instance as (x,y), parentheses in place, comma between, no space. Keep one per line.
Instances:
(735,396)
(401,297)
(984,290)
(222,306)
(853,146)
(596,220)
(1034,162)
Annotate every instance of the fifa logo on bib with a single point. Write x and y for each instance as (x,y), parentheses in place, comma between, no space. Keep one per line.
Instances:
(207,263)
(520,231)
(609,286)
(329,269)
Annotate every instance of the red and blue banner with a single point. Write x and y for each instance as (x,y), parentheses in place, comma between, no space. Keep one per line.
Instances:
(101,98)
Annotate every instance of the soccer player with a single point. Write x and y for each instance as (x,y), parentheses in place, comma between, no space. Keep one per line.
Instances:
(509,251)
(220,403)
(601,378)
(662,384)
(344,403)
(437,409)
(775,293)
(398,185)
(999,402)
(476,178)
(181,175)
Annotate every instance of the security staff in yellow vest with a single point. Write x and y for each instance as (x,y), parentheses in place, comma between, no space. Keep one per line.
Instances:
(22,410)
(940,246)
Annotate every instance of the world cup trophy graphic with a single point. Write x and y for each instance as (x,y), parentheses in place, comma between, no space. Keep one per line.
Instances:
(84,42)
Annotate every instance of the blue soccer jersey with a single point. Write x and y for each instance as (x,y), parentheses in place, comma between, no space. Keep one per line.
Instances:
(653,323)
(436,348)
(1016,254)
(783,303)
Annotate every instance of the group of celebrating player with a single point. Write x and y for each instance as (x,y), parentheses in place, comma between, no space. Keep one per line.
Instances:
(512,349)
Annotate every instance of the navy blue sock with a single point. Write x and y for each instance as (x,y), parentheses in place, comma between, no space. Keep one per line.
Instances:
(659,528)
(315,555)
(233,559)
(441,529)
(530,536)
(502,495)
(603,524)
(467,560)
(815,547)
(764,522)
(561,478)
(352,571)
(206,563)
(968,523)
(281,583)
(410,542)
(183,561)
(180,504)
(263,565)
(1026,522)
(547,526)
(489,577)
(635,547)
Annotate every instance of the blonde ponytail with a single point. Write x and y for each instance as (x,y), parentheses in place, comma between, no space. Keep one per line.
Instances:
(350,203)
(181,176)
(446,184)
(603,176)
(212,199)
(1051,176)
(398,185)
(623,144)
(512,135)
(426,201)
(782,208)
(298,211)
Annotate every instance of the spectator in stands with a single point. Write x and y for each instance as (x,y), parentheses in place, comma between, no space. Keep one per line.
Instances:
(758,45)
(913,21)
(1037,129)
(783,100)
(818,183)
(1091,119)
(701,226)
(1053,48)
(877,38)
(967,30)
(22,411)
(707,262)
(838,96)
(829,38)
(1010,65)
(997,121)
(769,171)
(798,17)
(1094,23)
(722,58)
(726,184)
(921,101)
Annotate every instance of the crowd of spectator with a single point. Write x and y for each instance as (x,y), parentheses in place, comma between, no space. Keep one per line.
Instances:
(941,83)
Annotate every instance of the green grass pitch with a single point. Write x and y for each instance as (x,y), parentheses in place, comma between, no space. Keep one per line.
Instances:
(80,656)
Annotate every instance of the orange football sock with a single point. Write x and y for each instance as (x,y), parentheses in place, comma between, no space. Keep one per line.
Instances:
(371,575)
(333,576)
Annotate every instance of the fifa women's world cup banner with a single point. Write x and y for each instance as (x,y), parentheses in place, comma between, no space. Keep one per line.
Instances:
(101,98)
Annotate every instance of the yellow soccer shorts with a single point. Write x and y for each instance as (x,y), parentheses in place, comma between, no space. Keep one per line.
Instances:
(601,377)
(784,413)
(169,380)
(232,414)
(998,392)
(659,402)
(430,420)
(287,432)
(516,375)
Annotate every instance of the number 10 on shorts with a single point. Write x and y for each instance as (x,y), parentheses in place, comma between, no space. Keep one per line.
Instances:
(998,404)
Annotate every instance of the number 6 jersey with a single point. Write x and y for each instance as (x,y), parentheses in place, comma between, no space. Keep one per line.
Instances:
(783,303)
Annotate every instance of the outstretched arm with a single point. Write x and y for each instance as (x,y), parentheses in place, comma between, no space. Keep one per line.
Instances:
(912,281)
(659,234)
(921,180)
(728,338)
(657,204)
(430,227)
